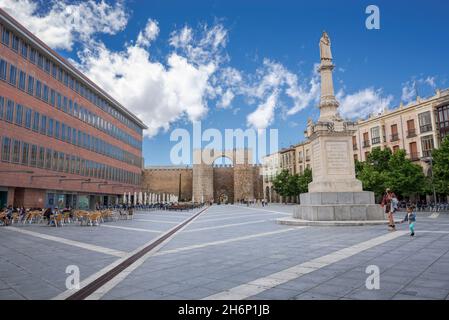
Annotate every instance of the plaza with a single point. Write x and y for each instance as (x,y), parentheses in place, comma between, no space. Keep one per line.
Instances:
(227,252)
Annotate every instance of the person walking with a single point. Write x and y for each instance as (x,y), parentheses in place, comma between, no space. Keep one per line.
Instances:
(389,200)
(410,217)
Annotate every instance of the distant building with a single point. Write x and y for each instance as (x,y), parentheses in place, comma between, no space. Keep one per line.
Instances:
(417,128)
(64,141)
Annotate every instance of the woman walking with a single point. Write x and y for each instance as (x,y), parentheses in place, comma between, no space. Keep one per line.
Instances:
(389,201)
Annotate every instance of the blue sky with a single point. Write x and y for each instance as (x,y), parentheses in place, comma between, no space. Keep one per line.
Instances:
(262,40)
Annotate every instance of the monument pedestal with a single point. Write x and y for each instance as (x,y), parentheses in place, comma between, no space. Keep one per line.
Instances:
(338,206)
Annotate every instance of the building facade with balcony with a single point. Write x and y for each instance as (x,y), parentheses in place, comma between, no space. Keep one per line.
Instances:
(417,128)
(64,141)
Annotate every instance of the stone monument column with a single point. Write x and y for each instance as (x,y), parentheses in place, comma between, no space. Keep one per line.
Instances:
(335,193)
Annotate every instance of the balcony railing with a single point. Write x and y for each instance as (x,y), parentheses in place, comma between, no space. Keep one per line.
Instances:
(394,137)
(307,158)
(425,128)
(301,159)
(411,133)
(414,156)
(427,153)
(375,140)
(366,144)
(354,147)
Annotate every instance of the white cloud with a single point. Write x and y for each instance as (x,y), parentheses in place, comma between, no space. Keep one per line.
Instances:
(417,86)
(65,23)
(272,86)
(408,91)
(363,103)
(147,35)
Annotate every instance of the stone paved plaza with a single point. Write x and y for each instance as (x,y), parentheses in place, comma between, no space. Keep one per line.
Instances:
(230,252)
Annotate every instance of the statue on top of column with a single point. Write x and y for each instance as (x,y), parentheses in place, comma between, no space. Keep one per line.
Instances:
(325,47)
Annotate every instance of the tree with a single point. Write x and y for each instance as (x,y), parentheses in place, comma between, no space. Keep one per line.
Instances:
(286,184)
(440,167)
(304,180)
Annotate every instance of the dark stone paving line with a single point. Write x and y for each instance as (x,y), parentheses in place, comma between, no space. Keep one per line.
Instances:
(99,282)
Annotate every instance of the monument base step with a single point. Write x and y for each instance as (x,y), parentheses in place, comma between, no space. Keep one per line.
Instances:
(339,212)
(347,223)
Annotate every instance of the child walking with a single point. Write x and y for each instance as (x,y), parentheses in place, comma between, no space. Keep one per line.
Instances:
(410,216)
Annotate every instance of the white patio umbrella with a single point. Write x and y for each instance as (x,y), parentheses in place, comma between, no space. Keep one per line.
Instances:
(124,197)
(129,198)
(135,197)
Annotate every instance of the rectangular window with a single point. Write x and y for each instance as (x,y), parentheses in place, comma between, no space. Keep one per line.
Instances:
(6,149)
(72,164)
(40,162)
(52,97)
(54,165)
(67,163)
(15,42)
(48,156)
(61,162)
(16,151)
(38,92)
(63,132)
(24,50)
(22,80)
(33,155)
(58,100)
(25,151)
(66,79)
(30,89)
(33,55)
(27,118)
(73,135)
(60,74)
(5,37)
(43,124)
(40,60)
(10,111)
(12,75)
(64,104)
(427,145)
(19,114)
(54,70)
(56,129)
(69,134)
(45,93)
(47,65)
(36,121)
(3,65)
(425,122)
(2,107)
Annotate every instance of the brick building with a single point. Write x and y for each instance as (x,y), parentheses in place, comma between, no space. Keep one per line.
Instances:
(64,141)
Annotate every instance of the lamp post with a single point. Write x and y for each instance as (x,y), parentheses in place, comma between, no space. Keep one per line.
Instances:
(433,185)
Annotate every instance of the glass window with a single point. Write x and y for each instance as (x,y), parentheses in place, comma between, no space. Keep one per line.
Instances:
(15,42)
(16,151)
(40,162)
(10,110)
(43,124)
(61,162)
(48,160)
(73,164)
(33,55)
(45,93)
(60,74)
(58,104)
(30,85)
(6,148)
(63,131)
(36,121)
(425,121)
(12,75)
(19,114)
(47,65)
(54,165)
(38,92)
(33,155)
(5,37)
(54,70)
(67,163)
(64,104)
(52,97)
(69,134)
(24,50)
(56,129)
(2,107)
(427,145)
(3,65)
(25,151)
(40,60)
(22,80)
(27,118)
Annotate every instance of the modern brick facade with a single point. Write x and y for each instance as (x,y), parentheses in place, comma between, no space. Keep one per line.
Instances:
(64,141)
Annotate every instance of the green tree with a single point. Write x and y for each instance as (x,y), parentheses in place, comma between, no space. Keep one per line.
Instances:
(404,177)
(440,167)
(304,180)
(285,184)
